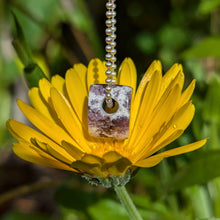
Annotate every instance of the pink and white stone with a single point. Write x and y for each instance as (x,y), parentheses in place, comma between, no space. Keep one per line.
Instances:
(102,124)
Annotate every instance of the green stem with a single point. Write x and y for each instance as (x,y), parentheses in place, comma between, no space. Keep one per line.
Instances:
(127,203)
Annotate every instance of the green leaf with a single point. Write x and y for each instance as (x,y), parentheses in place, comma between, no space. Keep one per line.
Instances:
(21,52)
(20,44)
(151,209)
(200,201)
(211,106)
(207,6)
(200,171)
(33,73)
(108,209)
(206,48)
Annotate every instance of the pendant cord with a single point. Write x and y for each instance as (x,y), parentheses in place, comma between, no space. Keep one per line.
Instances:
(110,50)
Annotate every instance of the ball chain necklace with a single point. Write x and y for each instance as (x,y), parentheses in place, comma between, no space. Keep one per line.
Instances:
(109,103)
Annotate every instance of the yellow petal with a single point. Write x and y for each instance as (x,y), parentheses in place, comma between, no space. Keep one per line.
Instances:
(72,150)
(152,147)
(179,122)
(187,93)
(171,74)
(89,164)
(176,151)
(96,72)
(154,67)
(29,134)
(50,129)
(44,86)
(118,168)
(182,117)
(127,74)
(59,83)
(149,162)
(82,72)
(68,118)
(111,156)
(115,164)
(147,105)
(58,154)
(27,152)
(77,91)
(161,115)
(39,103)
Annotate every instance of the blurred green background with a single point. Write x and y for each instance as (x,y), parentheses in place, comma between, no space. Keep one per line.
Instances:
(63,32)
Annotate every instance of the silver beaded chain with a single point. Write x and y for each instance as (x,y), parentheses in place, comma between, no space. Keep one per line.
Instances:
(110,50)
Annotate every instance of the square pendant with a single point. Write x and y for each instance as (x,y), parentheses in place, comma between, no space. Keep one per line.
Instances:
(113,122)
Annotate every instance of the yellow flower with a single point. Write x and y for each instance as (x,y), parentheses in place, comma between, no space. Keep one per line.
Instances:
(160,112)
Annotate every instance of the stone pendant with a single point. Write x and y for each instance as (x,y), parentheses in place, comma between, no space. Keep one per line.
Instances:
(109,122)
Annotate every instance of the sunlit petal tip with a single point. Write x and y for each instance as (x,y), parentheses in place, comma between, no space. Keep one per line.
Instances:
(58,82)
(43,82)
(154,66)
(177,67)
(79,67)
(127,74)
(155,63)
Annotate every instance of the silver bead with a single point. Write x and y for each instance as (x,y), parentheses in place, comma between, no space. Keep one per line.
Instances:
(109,14)
(108,89)
(108,48)
(113,44)
(113,59)
(109,5)
(113,66)
(113,28)
(108,31)
(108,64)
(113,21)
(113,81)
(113,36)
(113,73)
(108,96)
(108,80)
(108,22)
(108,40)
(108,56)
(108,72)
(109,102)
(113,6)
(113,14)
(112,51)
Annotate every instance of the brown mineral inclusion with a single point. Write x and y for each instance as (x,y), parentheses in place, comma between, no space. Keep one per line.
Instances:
(112,125)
